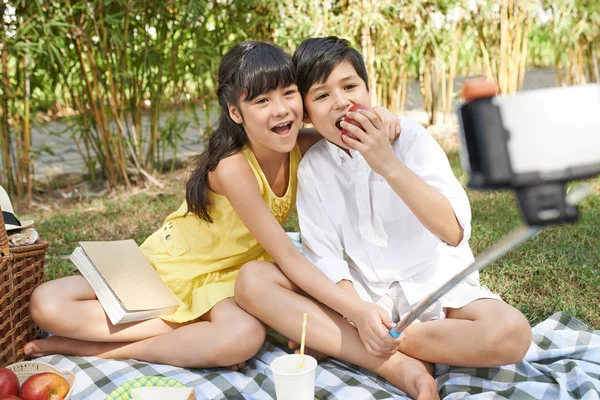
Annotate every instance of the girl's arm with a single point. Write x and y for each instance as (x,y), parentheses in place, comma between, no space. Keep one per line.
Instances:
(306,138)
(234,179)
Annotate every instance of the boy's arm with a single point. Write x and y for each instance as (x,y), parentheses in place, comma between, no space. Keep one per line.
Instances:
(422,193)
(348,287)
(431,207)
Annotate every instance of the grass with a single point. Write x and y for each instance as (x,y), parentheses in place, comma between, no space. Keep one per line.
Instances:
(558,270)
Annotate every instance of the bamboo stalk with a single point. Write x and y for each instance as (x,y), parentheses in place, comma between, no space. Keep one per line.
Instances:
(5,134)
(403,93)
(523,64)
(112,98)
(453,65)
(95,111)
(27,131)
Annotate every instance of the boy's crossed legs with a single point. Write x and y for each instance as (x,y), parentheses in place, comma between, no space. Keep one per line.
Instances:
(468,327)
(265,292)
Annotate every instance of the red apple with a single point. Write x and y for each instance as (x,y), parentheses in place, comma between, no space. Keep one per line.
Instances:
(9,397)
(349,120)
(9,383)
(45,386)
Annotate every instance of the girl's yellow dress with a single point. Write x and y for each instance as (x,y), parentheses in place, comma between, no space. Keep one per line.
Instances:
(199,261)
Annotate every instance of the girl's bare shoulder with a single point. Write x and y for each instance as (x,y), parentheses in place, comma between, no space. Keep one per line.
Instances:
(228,171)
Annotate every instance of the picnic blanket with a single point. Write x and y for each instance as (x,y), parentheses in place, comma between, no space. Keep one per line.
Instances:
(563,362)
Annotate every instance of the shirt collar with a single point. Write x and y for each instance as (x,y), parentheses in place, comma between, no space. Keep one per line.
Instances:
(338,154)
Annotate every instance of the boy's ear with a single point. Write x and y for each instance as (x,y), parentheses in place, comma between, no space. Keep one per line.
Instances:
(235,114)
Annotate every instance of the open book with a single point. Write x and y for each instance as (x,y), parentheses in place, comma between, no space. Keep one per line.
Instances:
(124,281)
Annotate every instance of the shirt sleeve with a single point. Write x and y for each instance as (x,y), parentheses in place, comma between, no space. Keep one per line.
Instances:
(428,160)
(321,244)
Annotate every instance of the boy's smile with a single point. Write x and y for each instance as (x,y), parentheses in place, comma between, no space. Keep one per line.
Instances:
(328,102)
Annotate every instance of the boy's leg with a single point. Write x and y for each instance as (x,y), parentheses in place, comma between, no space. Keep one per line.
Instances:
(264,291)
(483,333)
(227,337)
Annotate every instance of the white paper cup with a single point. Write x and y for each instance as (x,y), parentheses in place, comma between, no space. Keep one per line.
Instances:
(291,384)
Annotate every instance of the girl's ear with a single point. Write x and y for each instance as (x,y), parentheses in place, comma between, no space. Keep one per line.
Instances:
(305,119)
(235,114)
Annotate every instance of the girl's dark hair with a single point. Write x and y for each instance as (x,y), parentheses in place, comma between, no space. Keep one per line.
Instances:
(316,58)
(248,70)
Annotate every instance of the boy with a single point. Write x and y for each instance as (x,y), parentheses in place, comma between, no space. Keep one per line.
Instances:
(387,223)
(392,219)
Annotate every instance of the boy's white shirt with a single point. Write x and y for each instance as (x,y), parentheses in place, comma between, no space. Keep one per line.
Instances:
(352,223)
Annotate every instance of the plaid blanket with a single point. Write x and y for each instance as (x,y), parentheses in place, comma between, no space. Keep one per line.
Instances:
(563,362)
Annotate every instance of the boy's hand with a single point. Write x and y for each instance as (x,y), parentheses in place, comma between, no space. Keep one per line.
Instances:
(391,122)
(373,326)
(373,143)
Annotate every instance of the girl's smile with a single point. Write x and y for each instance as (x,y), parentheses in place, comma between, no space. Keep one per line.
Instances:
(284,129)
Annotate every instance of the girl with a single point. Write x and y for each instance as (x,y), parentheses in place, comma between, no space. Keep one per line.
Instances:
(250,163)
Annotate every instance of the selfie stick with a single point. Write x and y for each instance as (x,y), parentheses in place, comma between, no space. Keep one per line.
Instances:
(515,238)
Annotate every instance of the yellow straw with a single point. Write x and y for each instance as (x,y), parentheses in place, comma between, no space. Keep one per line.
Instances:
(302,341)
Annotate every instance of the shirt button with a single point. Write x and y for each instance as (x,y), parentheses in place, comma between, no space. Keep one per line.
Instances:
(168,237)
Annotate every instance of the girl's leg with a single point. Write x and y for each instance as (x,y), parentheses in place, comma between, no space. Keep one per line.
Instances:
(484,333)
(228,336)
(68,307)
(264,291)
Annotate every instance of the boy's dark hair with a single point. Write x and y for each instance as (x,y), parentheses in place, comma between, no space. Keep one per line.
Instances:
(316,58)
(248,70)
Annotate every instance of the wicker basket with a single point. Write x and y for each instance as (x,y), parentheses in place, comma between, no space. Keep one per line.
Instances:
(21,271)
(25,369)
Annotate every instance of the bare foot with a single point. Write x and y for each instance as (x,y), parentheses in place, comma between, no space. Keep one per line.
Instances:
(31,349)
(426,388)
(62,345)
(411,376)
(236,367)
(316,354)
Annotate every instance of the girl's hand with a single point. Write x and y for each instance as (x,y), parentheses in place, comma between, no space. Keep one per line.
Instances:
(373,143)
(373,326)
(391,122)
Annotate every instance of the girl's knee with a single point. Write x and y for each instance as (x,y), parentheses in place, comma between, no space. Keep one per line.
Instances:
(250,336)
(44,306)
(238,344)
(251,280)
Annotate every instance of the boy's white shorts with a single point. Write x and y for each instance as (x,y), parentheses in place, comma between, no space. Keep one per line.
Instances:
(396,304)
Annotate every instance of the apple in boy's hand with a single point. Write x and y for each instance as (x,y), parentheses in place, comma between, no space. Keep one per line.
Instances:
(349,120)
(9,383)
(45,386)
